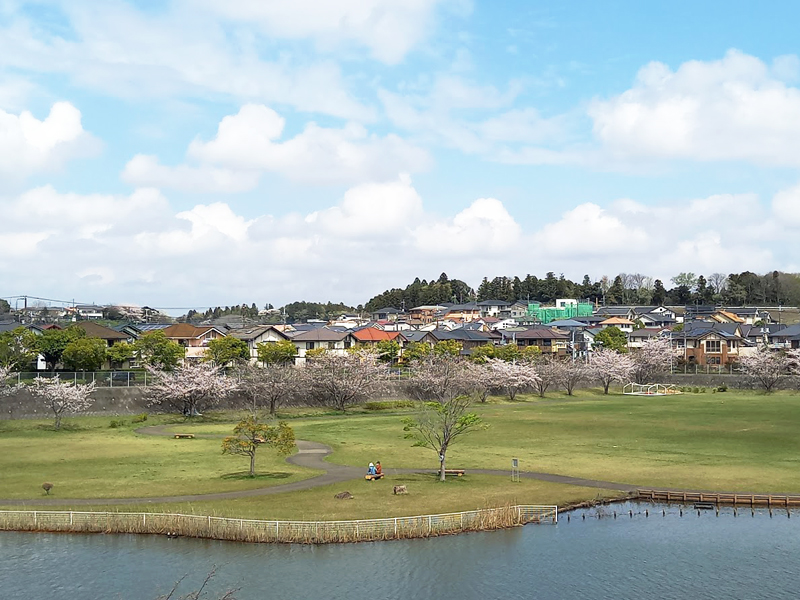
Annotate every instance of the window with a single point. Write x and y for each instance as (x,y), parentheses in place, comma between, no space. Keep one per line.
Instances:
(309,345)
(680,343)
(331,345)
(346,345)
(713,360)
(713,346)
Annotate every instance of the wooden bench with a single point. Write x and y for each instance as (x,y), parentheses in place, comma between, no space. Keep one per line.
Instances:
(369,477)
(456,472)
(184,436)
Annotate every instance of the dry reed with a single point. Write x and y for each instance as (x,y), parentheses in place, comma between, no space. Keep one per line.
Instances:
(249,530)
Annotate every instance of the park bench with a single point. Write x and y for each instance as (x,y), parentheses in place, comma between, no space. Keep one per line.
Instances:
(184,436)
(369,477)
(456,472)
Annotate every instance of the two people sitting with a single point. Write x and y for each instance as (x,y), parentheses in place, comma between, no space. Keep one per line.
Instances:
(374,469)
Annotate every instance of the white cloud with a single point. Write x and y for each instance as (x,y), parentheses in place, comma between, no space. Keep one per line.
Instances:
(786,206)
(247,144)
(390,29)
(178,52)
(29,145)
(731,109)
(376,236)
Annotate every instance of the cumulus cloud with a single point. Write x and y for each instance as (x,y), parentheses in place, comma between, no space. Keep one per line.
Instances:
(248,143)
(786,206)
(29,145)
(374,237)
(735,108)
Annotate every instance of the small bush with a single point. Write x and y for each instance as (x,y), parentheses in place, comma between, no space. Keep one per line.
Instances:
(46,486)
(696,390)
(141,418)
(722,388)
(702,390)
(388,404)
(115,423)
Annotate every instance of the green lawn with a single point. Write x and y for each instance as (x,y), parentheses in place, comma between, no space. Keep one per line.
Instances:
(735,441)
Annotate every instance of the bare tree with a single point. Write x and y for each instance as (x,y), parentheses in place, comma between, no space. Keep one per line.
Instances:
(61,396)
(270,385)
(651,360)
(339,381)
(438,425)
(769,369)
(439,377)
(513,377)
(607,366)
(191,388)
(718,282)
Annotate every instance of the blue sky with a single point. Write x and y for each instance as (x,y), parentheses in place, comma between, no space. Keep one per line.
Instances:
(196,153)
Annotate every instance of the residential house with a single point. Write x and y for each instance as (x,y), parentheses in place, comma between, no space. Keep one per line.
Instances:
(621,323)
(388,313)
(321,337)
(710,343)
(259,334)
(193,338)
(427,313)
(787,338)
(370,336)
(547,339)
(638,337)
(517,310)
(418,336)
(493,308)
(469,339)
(108,335)
(463,312)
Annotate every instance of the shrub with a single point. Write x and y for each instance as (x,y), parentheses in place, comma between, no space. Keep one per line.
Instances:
(388,404)
(46,486)
(140,418)
(696,390)
(702,390)
(115,423)
(722,388)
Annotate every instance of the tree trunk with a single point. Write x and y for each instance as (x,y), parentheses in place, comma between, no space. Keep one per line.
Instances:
(606,384)
(253,464)
(272,407)
(58,421)
(512,393)
(441,465)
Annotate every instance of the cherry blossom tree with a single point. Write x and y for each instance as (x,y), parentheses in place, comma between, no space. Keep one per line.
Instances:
(651,360)
(249,435)
(272,385)
(191,388)
(437,425)
(569,374)
(548,373)
(513,377)
(769,368)
(480,380)
(439,377)
(62,396)
(607,366)
(339,381)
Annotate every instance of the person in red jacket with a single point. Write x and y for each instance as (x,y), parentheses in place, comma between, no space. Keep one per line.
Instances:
(378,468)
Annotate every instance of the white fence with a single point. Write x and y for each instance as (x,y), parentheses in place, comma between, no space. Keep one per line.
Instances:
(100,378)
(250,530)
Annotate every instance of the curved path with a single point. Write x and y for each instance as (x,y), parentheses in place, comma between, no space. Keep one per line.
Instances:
(312,456)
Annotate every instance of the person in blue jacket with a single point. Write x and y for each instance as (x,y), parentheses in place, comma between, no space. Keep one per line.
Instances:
(371,469)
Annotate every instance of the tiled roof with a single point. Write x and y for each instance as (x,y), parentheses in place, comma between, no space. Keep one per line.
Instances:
(94,330)
(320,334)
(187,331)
(373,334)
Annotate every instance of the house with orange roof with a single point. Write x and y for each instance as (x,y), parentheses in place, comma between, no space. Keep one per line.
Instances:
(621,323)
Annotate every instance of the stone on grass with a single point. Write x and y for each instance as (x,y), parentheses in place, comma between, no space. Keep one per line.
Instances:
(399,489)
(47,487)
(344,496)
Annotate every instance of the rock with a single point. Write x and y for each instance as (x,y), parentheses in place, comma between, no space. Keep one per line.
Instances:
(399,489)
(344,496)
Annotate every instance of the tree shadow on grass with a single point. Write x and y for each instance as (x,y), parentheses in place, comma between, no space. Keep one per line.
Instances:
(245,476)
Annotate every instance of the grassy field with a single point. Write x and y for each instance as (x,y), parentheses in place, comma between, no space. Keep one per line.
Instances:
(88,459)
(375,500)
(737,441)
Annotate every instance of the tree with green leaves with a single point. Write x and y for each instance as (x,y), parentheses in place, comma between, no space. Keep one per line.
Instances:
(612,338)
(52,343)
(276,353)
(17,349)
(156,350)
(85,354)
(119,353)
(447,348)
(415,351)
(223,351)
(249,435)
(437,425)
(5,307)
(388,351)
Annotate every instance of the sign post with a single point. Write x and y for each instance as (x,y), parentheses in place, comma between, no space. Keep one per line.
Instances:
(515,470)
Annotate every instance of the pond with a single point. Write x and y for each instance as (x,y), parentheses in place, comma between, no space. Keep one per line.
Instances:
(659,556)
